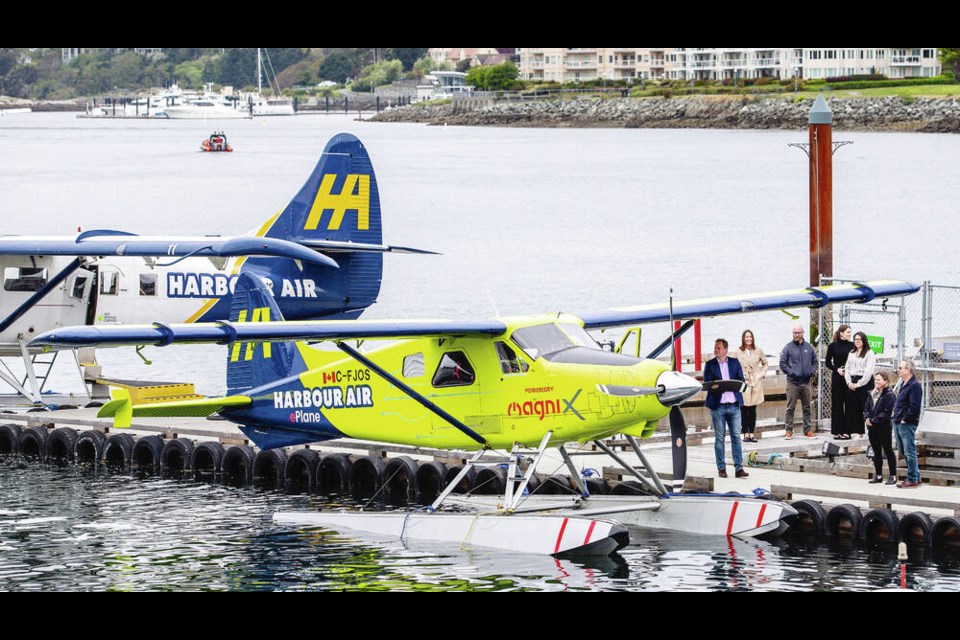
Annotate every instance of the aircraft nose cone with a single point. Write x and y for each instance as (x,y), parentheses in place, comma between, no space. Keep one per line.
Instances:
(677,387)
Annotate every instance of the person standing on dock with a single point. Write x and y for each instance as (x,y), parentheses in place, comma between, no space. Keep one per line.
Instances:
(798,361)
(858,375)
(836,360)
(754,364)
(725,407)
(906,419)
(877,417)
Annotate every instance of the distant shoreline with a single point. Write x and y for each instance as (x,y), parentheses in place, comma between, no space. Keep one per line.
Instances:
(893,113)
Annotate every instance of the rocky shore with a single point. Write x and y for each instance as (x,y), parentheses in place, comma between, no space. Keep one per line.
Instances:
(932,115)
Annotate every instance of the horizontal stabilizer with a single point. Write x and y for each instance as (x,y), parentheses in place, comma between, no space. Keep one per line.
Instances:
(121,409)
(333,246)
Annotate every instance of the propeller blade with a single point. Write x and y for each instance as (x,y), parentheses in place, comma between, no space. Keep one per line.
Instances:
(678,438)
(624,391)
(725,385)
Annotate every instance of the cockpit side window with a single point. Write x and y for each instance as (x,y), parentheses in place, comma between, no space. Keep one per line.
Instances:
(79,287)
(509,361)
(24,278)
(454,370)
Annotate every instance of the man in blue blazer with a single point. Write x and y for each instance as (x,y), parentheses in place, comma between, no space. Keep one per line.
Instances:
(725,407)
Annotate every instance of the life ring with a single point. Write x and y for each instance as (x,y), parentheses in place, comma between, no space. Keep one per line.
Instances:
(946,533)
(366,477)
(467,482)
(176,457)
(88,450)
(236,468)
(61,445)
(118,452)
(333,474)
(268,468)
(880,526)
(33,442)
(147,454)
(9,438)
(206,460)
(843,521)
(491,481)
(430,480)
(811,517)
(916,528)
(300,471)
(400,481)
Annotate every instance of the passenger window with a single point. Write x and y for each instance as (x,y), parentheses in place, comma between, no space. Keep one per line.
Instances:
(79,285)
(413,366)
(24,278)
(148,284)
(509,362)
(109,283)
(454,371)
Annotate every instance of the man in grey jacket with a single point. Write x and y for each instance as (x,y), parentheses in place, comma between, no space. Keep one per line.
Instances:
(798,362)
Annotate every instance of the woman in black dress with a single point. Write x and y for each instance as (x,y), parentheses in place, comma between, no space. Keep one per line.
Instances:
(836,359)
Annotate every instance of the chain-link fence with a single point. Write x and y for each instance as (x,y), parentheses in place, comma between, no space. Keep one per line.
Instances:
(924,327)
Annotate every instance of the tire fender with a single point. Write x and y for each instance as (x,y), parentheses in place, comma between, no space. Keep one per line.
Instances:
(61,445)
(147,453)
(9,438)
(206,460)
(431,480)
(366,477)
(269,467)
(333,474)
(916,528)
(946,533)
(118,452)
(89,447)
(236,467)
(880,526)
(811,518)
(843,521)
(491,481)
(300,471)
(33,442)
(176,457)
(400,481)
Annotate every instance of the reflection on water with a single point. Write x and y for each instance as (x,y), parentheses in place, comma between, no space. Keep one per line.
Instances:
(68,530)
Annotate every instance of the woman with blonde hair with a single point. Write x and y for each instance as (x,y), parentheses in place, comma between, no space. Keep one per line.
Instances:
(754,364)
(877,414)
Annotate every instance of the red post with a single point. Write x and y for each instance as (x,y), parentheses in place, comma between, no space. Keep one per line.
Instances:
(677,352)
(697,349)
(821,191)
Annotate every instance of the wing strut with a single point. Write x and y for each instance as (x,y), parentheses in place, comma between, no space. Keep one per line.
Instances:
(669,341)
(43,291)
(356,355)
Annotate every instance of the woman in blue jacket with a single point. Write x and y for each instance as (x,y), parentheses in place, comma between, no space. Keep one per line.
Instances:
(877,413)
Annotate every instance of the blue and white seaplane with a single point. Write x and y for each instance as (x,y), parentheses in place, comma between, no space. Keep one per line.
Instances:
(321,256)
(511,389)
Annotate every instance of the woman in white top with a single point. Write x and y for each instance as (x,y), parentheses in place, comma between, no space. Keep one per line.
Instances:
(754,364)
(858,373)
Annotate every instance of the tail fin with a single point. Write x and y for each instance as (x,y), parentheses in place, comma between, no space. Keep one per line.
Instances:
(339,202)
(251,364)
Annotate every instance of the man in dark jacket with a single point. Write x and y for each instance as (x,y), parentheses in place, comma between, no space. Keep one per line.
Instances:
(906,418)
(725,407)
(798,362)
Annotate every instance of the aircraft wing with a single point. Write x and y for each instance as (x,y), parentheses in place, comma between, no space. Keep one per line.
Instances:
(119,243)
(771,300)
(161,335)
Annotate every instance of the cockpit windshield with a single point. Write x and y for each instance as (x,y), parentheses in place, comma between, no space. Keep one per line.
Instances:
(568,343)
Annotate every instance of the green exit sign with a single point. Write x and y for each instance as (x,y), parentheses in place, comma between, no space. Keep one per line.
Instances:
(876,343)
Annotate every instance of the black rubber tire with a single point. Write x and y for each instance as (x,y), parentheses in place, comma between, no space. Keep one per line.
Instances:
(880,526)
(33,442)
(300,471)
(491,481)
(333,475)
(9,438)
(118,452)
(147,453)
(268,468)
(400,481)
(916,529)
(628,488)
(60,446)
(177,457)
(946,534)
(206,460)
(430,480)
(843,521)
(597,486)
(89,447)
(811,518)
(466,484)
(555,485)
(236,468)
(366,477)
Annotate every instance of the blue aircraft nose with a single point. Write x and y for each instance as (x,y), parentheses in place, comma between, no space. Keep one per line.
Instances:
(676,387)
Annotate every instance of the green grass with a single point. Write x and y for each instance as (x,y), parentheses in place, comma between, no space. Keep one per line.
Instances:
(916,91)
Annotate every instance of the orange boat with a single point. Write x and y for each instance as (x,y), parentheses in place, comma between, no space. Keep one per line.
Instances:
(216,142)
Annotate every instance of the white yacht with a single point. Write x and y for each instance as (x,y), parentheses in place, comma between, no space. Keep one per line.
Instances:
(205,107)
(261,105)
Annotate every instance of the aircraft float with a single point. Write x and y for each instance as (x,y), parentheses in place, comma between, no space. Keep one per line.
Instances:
(322,256)
(522,385)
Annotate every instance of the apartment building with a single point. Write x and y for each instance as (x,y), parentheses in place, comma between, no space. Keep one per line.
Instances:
(583,64)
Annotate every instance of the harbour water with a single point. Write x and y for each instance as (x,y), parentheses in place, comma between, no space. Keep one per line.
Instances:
(526,220)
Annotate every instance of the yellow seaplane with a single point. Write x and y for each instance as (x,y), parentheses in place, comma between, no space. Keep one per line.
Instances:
(519,386)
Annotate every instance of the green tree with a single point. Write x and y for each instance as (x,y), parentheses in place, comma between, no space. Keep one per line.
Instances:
(502,76)
(423,66)
(408,57)
(340,64)
(189,74)
(126,70)
(950,60)
(377,74)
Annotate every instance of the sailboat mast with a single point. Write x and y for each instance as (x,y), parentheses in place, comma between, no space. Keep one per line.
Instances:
(259,74)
